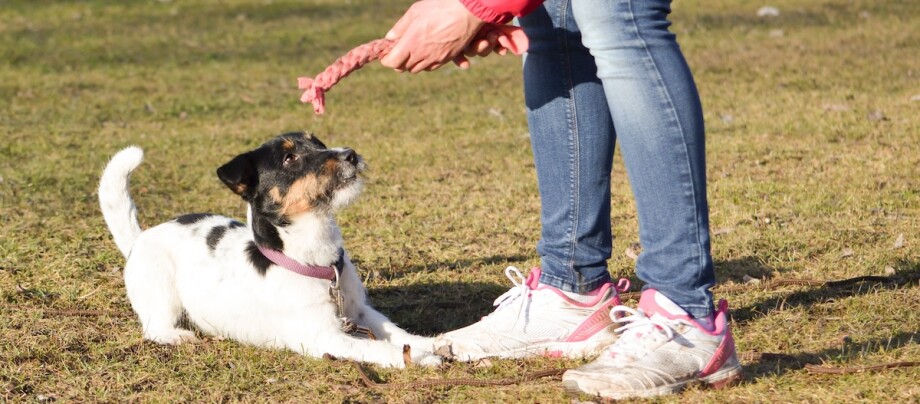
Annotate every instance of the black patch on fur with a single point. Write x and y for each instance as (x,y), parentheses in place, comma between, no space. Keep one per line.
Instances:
(266,233)
(339,264)
(259,261)
(240,175)
(184,322)
(234,224)
(192,218)
(215,235)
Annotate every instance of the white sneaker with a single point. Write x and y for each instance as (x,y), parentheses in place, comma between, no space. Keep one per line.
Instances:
(660,351)
(533,319)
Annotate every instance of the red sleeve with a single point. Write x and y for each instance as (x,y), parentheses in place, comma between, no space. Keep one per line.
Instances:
(500,11)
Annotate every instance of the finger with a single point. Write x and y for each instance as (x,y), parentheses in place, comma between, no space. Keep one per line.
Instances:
(420,67)
(482,46)
(397,57)
(492,37)
(461,62)
(412,64)
(426,65)
(421,62)
(475,47)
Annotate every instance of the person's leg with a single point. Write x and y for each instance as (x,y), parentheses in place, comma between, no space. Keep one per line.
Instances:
(573,146)
(659,122)
(572,137)
(657,113)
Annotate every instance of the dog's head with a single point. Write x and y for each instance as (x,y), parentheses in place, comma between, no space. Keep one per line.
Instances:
(294,174)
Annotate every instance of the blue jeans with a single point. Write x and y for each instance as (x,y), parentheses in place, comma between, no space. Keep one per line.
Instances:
(597,71)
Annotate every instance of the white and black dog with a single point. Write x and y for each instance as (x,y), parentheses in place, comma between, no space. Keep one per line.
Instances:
(270,283)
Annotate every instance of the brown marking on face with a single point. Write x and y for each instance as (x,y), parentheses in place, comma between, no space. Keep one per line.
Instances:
(302,195)
(275,194)
(239,188)
(330,166)
(288,144)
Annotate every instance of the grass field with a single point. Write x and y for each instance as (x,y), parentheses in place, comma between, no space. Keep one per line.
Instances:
(813,124)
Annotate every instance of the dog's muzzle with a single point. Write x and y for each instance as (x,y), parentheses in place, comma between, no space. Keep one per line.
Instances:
(351,164)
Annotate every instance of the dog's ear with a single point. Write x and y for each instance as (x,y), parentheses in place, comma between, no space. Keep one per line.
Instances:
(239,175)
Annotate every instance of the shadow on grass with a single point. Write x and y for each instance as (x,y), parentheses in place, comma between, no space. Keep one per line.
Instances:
(460,265)
(434,308)
(736,270)
(777,365)
(828,292)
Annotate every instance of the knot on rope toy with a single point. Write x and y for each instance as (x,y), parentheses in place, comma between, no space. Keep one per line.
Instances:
(509,37)
(312,94)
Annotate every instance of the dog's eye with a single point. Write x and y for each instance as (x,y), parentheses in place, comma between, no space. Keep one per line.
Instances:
(290,158)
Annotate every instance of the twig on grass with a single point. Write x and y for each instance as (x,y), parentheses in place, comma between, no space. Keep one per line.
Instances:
(828,370)
(370,383)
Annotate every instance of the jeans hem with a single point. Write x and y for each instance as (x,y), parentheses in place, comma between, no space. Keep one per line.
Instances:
(567,285)
(698,311)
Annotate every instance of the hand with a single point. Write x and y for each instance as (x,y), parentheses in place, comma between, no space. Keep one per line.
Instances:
(430,34)
(485,46)
(481,45)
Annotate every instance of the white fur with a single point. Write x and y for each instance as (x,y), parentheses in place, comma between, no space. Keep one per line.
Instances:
(117,207)
(170,268)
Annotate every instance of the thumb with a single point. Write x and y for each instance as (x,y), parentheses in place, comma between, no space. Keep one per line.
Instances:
(399,28)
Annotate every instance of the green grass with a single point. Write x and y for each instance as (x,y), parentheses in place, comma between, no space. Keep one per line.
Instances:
(803,184)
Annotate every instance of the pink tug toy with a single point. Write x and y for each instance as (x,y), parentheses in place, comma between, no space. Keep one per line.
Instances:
(509,37)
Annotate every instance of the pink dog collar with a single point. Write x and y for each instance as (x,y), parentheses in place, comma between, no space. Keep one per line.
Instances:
(313,271)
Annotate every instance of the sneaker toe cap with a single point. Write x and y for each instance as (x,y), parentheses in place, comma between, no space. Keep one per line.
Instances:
(459,349)
(615,382)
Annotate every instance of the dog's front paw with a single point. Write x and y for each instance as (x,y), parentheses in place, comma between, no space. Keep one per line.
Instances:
(171,337)
(426,359)
(444,349)
(461,350)
(419,357)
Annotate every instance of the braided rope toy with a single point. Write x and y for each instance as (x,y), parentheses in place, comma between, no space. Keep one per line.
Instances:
(509,37)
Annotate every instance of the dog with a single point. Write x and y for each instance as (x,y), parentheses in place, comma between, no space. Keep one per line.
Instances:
(282,280)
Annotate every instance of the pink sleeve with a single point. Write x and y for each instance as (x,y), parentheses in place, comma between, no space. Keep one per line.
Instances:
(500,11)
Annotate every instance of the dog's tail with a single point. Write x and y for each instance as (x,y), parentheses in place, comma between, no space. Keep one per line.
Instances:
(117,206)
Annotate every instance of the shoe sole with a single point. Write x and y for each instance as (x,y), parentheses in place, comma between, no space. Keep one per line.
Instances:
(721,379)
(553,349)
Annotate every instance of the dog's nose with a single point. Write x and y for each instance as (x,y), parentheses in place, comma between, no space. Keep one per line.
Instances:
(350,156)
